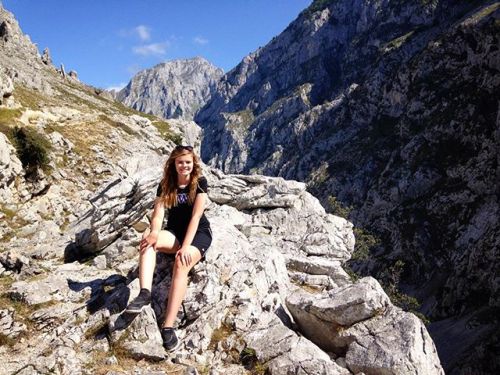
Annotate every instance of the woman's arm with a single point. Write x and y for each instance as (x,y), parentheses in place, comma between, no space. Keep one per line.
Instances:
(198,208)
(156,223)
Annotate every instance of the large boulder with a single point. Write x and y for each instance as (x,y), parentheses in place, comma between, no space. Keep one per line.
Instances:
(10,168)
(360,323)
(321,316)
(396,342)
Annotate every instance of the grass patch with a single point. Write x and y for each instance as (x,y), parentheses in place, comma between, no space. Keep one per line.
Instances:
(8,213)
(65,223)
(397,42)
(98,366)
(30,98)
(8,117)
(219,334)
(5,282)
(14,223)
(127,111)
(97,330)
(8,236)
(7,341)
(77,100)
(62,161)
(162,125)
(117,124)
(23,311)
(166,132)
(485,12)
(248,358)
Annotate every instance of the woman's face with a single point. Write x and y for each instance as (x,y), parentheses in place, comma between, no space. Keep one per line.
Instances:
(184,165)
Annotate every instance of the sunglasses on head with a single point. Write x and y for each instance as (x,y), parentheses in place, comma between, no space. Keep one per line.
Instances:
(182,147)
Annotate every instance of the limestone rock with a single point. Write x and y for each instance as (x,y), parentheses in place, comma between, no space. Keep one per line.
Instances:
(320,317)
(46,58)
(100,262)
(10,167)
(20,55)
(6,88)
(141,338)
(8,325)
(392,343)
(12,260)
(286,353)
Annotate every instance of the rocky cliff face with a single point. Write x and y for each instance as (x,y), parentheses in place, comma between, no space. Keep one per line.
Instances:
(70,224)
(175,89)
(391,107)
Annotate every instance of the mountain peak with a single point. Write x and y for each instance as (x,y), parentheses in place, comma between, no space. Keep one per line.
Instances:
(172,89)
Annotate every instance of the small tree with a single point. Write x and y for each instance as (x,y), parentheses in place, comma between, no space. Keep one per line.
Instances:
(32,149)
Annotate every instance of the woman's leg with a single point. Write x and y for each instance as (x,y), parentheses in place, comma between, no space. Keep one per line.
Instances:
(147,259)
(178,286)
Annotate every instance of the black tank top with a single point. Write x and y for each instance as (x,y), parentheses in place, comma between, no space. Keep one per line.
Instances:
(180,215)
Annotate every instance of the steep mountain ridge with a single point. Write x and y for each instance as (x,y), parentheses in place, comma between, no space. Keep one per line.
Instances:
(392,108)
(174,89)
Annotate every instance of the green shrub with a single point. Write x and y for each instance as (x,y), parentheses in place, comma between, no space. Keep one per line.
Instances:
(32,148)
(337,208)
(364,242)
(390,279)
(352,274)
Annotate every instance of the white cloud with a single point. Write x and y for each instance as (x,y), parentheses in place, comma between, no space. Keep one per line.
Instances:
(117,87)
(157,49)
(200,40)
(143,32)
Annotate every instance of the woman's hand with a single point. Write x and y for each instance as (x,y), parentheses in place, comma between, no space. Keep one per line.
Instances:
(184,255)
(148,241)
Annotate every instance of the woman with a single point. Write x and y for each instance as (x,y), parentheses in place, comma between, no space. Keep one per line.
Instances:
(183,191)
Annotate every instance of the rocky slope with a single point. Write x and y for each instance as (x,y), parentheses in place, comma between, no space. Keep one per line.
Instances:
(175,89)
(75,193)
(392,108)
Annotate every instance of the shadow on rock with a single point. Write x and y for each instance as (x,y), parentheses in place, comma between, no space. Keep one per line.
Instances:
(123,321)
(73,252)
(111,293)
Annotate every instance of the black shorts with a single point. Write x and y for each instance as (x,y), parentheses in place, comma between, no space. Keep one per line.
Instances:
(202,239)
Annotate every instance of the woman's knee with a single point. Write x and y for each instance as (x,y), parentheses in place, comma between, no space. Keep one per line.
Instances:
(179,266)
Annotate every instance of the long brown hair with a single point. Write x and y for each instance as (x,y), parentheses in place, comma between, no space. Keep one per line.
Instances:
(169,181)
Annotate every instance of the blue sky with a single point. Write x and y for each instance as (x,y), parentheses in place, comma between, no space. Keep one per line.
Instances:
(108,41)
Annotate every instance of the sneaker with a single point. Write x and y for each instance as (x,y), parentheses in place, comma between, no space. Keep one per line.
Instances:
(139,302)
(170,340)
